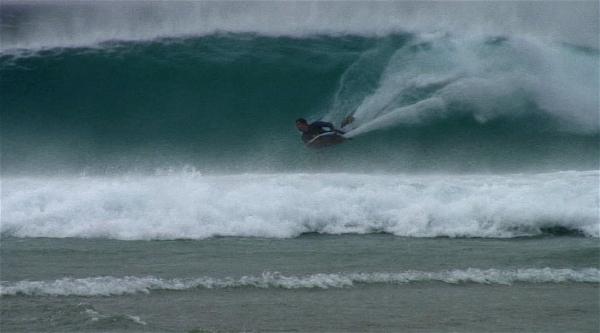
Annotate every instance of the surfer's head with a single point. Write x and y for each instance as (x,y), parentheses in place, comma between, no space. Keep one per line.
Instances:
(301,124)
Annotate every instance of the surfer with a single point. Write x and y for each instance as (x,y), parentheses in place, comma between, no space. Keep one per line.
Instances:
(319,133)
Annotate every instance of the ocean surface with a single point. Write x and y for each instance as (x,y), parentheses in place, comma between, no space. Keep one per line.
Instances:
(152,179)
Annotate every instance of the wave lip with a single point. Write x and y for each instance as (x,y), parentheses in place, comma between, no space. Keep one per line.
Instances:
(35,25)
(113,286)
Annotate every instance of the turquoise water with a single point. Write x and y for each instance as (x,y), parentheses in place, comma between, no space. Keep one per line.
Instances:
(153,179)
(228,102)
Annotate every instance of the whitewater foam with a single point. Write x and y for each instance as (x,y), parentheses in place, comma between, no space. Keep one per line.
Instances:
(189,205)
(109,286)
(439,76)
(35,25)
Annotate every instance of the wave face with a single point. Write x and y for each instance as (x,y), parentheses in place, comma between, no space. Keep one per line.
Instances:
(188,205)
(111,286)
(227,102)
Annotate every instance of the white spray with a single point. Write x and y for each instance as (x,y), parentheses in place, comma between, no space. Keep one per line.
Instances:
(47,24)
(434,77)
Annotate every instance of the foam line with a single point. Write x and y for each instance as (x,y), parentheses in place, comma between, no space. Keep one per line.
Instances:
(110,286)
(189,205)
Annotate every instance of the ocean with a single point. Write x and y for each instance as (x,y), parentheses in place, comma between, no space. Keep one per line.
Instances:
(152,179)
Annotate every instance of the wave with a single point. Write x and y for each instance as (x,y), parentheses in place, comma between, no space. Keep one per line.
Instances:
(36,25)
(110,286)
(189,205)
(422,102)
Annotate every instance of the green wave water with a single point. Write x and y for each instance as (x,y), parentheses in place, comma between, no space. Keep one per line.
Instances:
(227,103)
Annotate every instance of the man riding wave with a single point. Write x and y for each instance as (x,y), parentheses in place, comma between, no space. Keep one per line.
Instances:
(321,133)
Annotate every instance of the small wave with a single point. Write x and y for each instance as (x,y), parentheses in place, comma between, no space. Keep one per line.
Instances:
(111,286)
(99,318)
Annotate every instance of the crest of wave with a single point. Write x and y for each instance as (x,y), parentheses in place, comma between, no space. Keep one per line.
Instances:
(47,24)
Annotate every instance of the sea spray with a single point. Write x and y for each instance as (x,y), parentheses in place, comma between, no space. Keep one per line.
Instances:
(34,25)
(442,77)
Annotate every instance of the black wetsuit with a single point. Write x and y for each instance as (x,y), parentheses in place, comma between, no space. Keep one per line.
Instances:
(316,128)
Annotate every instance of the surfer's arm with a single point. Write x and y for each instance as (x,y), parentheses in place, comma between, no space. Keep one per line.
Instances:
(330,125)
(323,124)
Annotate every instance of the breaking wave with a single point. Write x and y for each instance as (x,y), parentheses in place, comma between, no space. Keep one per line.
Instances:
(38,25)
(189,205)
(219,85)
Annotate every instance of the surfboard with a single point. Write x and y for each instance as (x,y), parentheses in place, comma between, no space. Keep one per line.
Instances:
(325,140)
